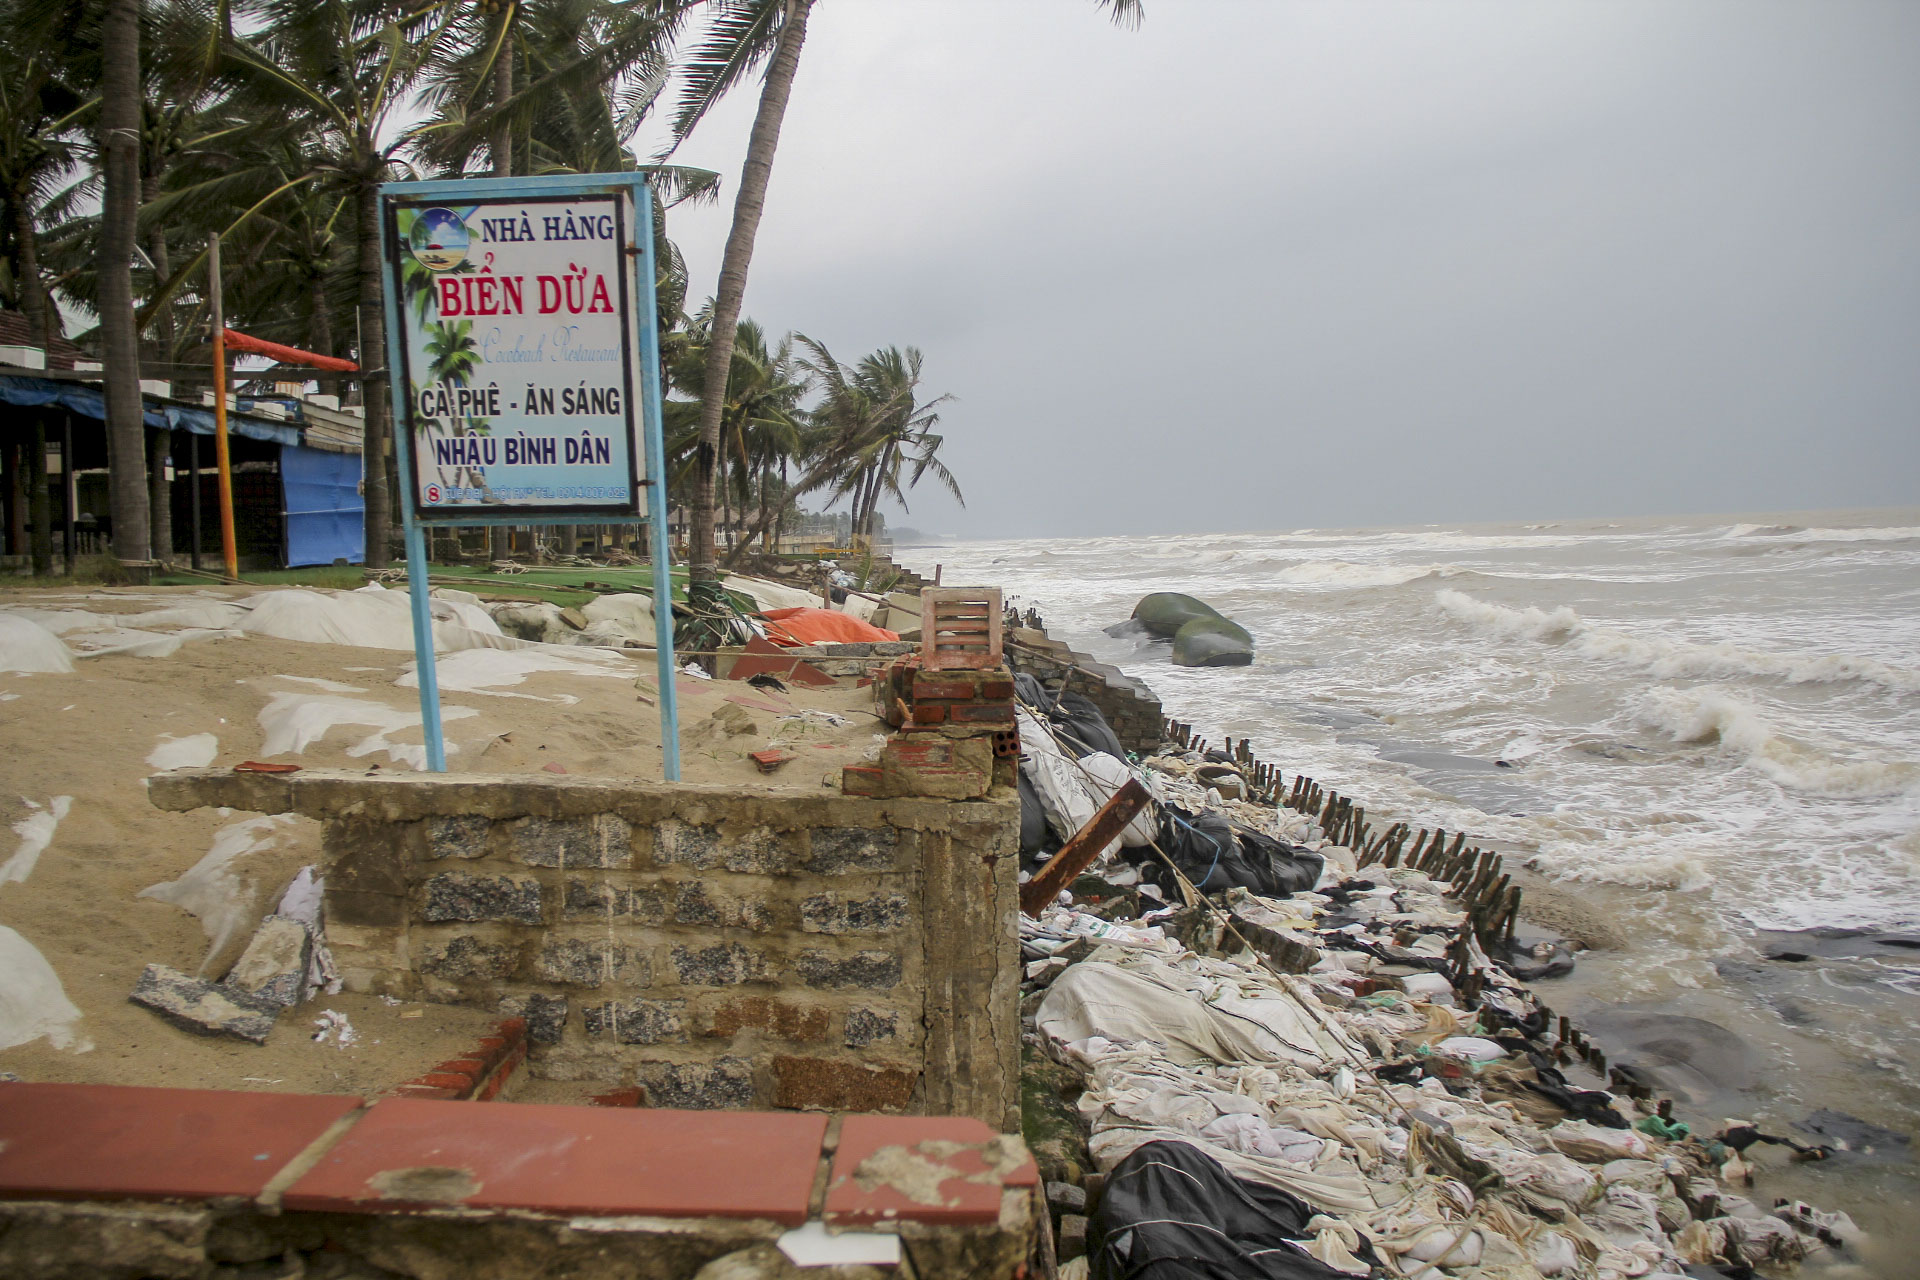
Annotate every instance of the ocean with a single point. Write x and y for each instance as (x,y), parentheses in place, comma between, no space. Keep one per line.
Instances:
(1702,734)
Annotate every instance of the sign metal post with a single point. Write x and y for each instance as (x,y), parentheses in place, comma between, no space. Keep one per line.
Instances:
(534,395)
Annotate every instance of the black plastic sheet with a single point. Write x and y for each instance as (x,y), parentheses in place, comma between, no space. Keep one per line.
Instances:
(1172,1212)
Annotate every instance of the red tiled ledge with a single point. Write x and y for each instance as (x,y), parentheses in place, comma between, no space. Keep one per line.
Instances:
(400,1155)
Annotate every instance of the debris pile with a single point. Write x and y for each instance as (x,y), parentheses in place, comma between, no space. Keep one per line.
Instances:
(285,964)
(1285,1058)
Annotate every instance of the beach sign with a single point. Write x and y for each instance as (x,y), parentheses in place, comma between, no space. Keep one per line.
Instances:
(523,351)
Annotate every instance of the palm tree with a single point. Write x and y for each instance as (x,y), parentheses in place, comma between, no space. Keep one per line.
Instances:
(452,354)
(342,68)
(40,152)
(879,426)
(120,99)
(761,425)
(742,35)
(868,430)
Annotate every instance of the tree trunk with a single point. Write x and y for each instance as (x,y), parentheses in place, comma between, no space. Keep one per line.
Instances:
(39,486)
(320,328)
(160,442)
(747,207)
(501,145)
(119,336)
(373,356)
(33,289)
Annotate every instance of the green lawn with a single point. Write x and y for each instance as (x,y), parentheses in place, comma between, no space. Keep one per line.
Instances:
(566,587)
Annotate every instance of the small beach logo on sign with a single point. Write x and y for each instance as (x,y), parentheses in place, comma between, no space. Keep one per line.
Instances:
(439,239)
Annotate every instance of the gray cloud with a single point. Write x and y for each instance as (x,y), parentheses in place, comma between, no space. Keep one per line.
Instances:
(1265,265)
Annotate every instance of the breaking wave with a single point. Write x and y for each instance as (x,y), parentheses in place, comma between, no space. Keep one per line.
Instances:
(1793,532)
(1709,716)
(1671,659)
(1344,574)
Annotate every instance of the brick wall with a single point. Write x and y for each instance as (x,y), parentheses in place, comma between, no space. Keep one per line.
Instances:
(720,947)
(1129,706)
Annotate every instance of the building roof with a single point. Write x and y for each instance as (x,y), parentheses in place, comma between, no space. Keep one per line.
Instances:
(15,331)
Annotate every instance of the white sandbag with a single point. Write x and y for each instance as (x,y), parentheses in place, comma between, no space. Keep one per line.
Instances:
(1100,999)
(26,646)
(1471,1048)
(1109,775)
(32,1001)
(771,595)
(370,618)
(630,609)
(1066,798)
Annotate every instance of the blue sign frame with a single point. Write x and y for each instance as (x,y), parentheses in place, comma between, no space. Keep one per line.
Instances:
(638,300)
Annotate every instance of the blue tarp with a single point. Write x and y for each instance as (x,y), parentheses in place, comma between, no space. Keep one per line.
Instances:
(326,516)
(88,402)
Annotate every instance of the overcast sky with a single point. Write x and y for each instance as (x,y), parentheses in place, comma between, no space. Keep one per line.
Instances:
(1261,264)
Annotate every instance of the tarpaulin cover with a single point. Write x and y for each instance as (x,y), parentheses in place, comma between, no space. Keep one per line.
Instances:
(88,402)
(1170,1212)
(821,626)
(1215,855)
(326,516)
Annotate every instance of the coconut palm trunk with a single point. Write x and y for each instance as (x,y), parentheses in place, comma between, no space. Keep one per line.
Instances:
(501,146)
(373,358)
(747,207)
(119,335)
(160,439)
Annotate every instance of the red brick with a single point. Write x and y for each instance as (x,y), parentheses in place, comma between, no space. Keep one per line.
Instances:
(929,713)
(114,1142)
(964,1201)
(460,1084)
(633,1097)
(828,1084)
(414,1089)
(472,1068)
(951,688)
(996,687)
(984,713)
(495,1083)
(597,1161)
(775,1017)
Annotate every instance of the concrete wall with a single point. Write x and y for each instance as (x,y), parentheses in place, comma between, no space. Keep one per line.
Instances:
(723,947)
(1129,706)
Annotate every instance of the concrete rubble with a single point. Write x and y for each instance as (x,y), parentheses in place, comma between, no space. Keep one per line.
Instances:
(202,1007)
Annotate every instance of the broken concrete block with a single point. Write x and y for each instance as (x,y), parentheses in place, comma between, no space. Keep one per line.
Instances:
(1072,1241)
(203,1008)
(274,966)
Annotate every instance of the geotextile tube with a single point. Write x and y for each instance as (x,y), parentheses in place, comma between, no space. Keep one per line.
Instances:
(1212,642)
(1202,636)
(1165,612)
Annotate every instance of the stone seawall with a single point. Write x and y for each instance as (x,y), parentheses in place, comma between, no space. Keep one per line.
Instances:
(1128,705)
(720,947)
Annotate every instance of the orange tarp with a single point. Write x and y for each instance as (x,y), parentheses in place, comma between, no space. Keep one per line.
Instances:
(820,626)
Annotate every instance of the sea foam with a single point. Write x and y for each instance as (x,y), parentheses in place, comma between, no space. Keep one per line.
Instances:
(1671,659)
